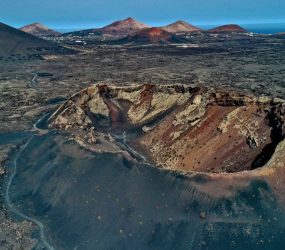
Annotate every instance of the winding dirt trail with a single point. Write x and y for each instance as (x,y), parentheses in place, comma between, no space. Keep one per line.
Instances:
(9,203)
(32,83)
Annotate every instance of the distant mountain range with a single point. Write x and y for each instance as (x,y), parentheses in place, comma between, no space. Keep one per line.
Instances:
(25,41)
(40,30)
(131,31)
(130,26)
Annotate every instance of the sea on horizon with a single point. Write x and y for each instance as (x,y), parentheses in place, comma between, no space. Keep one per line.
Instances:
(262,28)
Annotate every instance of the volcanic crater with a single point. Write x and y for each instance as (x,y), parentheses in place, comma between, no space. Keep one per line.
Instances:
(179,127)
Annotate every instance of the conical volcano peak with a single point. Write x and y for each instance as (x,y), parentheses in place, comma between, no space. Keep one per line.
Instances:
(180,26)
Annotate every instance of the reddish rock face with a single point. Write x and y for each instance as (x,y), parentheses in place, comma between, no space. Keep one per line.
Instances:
(228,28)
(186,129)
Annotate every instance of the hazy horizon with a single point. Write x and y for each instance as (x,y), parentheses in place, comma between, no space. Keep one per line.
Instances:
(153,24)
(75,14)
(254,27)
(257,27)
